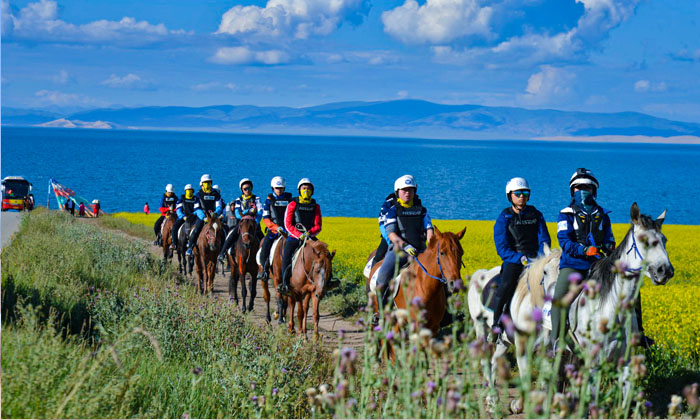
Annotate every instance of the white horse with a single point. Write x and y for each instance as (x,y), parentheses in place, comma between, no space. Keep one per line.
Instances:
(644,247)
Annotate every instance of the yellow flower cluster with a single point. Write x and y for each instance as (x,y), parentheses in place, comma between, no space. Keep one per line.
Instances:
(671,314)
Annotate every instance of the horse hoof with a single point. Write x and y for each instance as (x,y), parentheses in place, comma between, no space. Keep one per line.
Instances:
(250,308)
(516,406)
(243,308)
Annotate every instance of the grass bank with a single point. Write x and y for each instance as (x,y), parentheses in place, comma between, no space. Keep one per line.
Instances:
(92,328)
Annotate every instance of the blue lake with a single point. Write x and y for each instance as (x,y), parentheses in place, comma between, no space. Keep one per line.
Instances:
(457,179)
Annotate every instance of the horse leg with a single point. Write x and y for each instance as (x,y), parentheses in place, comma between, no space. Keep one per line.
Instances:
(303,311)
(292,305)
(200,275)
(317,315)
(233,290)
(492,399)
(266,296)
(252,283)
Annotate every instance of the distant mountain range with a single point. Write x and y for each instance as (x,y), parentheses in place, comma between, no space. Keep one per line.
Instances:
(406,118)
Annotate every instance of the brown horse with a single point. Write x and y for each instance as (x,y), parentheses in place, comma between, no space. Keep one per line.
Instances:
(311,276)
(441,264)
(205,252)
(165,230)
(243,262)
(276,274)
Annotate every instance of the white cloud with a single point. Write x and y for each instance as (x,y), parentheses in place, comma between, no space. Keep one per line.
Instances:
(39,21)
(547,86)
(54,97)
(402,94)
(61,78)
(231,87)
(299,19)
(437,21)
(128,81)
(643,85)
(244,55)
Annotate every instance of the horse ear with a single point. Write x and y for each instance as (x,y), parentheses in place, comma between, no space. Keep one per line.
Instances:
(545,248)
(437,231)
(460,234)
(332,255)
(661,218)
(634,213)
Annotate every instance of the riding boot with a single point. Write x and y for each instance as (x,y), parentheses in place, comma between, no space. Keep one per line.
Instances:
(262,274)
(283,288)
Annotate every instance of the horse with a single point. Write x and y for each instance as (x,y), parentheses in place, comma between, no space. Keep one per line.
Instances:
(276,274)
(206,251)
(583,319)
(182,259)
(165,231)
(424,278)
(311,275)
(245,249)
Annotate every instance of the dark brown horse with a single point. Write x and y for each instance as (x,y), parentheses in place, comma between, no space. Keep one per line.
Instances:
(311,276)
(441,264)
(243,262)
(205,252)
(165,230)
(182,259)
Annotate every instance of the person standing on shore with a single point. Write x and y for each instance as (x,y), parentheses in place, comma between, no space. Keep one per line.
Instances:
(146,209)
(96,208)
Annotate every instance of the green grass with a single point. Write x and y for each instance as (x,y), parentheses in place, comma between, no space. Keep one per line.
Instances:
(153,348)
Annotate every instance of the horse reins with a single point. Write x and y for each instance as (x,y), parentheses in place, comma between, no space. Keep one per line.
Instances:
(442,278)
(636,254)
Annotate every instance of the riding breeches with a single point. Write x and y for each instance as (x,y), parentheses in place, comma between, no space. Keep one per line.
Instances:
(265,248)
(290,247)
(194,235)
(388,270)
(510,273)
(176,229)
(381,251)
(560,290)
(159,223)
(230,240)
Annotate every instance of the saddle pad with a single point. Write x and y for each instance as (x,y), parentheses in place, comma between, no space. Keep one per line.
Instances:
(368,268)
(295,256)
(488,295)
(273,249)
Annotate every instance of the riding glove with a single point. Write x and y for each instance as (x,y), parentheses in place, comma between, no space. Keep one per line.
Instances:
(592,251)
(410,250)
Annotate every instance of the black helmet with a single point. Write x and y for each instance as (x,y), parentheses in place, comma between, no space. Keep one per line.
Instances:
(583,176)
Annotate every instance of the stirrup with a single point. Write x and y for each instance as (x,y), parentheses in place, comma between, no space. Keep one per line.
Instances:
(283,289)
(375,319)
(220,258)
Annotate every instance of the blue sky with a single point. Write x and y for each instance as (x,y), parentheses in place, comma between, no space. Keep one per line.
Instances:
(587,55)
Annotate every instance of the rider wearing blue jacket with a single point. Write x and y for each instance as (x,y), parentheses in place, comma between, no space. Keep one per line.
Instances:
(384,241)
(207,200)
(248,204)
(408,226)
(185,212)
(584,233)
(520,233)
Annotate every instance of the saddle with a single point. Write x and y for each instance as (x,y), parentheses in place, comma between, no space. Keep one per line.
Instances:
(394,285)
(488,295)
(273,249)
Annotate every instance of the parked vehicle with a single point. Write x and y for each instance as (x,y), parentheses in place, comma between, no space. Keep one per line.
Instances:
(16,193)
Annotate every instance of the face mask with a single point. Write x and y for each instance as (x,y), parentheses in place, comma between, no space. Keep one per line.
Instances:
(206,187)
(405,204)
(247,197)
(189,194)
(584,199)
(305,194)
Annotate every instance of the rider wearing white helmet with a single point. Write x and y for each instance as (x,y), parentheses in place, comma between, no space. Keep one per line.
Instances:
(520,233)
(167,202)
(584,232)
(273,217)
(248,204)
(208,202)
(408,226)
(185,212)
(302,220)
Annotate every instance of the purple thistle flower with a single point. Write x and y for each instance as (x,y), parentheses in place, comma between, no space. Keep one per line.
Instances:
(284,370)
(439,401)
(417,301)
(459,285)
(254,398)
(390,335)
(575,277)
(431,387)
(377,328)
(508,324)
(274,391)
(537,314)
(648,405)
(197,370)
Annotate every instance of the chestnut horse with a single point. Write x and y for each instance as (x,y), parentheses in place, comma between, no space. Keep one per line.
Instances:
(205,252)
(243,261)
(165,230)
(440,264)
(310,278)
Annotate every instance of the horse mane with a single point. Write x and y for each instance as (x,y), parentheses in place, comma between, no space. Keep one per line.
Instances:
(532,280)
(319,246)
(602,270)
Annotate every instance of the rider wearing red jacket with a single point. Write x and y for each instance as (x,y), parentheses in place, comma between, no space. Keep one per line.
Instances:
(302,220)
(167,202)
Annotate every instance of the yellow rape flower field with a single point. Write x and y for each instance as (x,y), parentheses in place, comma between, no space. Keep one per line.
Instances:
(671,312)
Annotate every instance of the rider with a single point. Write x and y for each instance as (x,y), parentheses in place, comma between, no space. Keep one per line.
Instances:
(248,204)
(408,226)
(302,220)
(520,233)
(168,200)
(206,200)
(273,216)
(584,233)
(185,212)
(224,226)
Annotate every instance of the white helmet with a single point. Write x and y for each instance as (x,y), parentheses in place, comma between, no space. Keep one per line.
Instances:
(583,176)
(244,181)
(278,182)
(405,181)
(305,181)
(516,184)
(188,187)
(169,188)
(216,187)
(205,177)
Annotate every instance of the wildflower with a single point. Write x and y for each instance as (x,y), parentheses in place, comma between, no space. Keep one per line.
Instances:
(453,398)
(575,277)
(197,370)
(691,396)
(252,386)
(186,416)
(342,388)
(508,324)
(425,335)
(254,398)
(352,403)
(417,301)
(675,405)
(341,333)
(459,285)
(390,335)
(537,315)
(348,356)
(417,394)
(431,387)
(284,370)
(360,322)
(274,391)
(377,328)
(401,316)
(438,401)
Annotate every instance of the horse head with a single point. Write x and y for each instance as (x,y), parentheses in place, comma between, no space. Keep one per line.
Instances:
(247,230)
(214,232)
(649,246)
(320,268)
(450,255)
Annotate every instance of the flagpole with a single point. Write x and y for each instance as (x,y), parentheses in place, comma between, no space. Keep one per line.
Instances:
(48,196)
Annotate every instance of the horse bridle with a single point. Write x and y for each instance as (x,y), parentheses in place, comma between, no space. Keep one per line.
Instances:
(442,278)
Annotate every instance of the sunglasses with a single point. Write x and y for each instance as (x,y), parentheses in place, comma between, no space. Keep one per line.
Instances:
(246,188)
(521,193)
